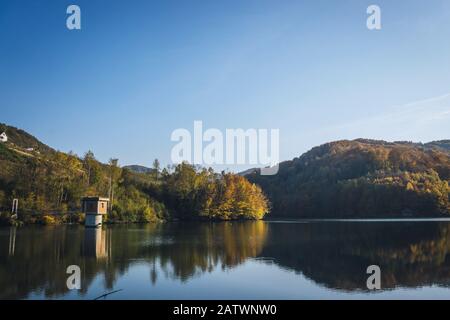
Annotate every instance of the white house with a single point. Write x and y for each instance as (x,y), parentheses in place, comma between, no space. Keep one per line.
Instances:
(3,137)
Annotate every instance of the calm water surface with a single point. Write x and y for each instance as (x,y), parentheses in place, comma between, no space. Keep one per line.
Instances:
(229,260)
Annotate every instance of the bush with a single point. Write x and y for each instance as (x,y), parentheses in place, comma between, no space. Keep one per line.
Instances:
(73,218)
(48,220)
(146,215)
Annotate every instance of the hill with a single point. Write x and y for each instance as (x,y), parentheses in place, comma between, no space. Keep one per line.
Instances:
(138,169)
(362,178)
(344,179)
(24,140)
(47,181)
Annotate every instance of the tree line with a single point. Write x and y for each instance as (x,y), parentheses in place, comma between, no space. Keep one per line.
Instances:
(55,182)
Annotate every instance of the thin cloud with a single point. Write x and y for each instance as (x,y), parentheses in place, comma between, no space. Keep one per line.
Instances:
(417,113)
(422,120)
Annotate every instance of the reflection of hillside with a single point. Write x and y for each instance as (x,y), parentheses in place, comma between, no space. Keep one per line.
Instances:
(333,254)
(41,257)
(337,254)
(199,248)
(181,251)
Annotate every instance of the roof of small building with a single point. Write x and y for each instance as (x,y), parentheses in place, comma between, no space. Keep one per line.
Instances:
(94,199)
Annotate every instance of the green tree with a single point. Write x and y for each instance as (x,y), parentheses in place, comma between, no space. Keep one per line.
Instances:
(156,169)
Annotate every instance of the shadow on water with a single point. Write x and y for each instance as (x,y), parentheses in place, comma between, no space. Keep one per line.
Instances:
(332,254)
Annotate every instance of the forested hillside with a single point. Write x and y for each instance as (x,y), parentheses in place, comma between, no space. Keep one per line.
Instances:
(362,178)
(23,139)
(343,179)
(47,181)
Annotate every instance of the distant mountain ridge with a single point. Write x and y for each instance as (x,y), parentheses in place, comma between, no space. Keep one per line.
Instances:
(138,168)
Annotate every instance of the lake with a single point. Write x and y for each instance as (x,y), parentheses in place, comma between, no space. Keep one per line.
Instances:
(306,259)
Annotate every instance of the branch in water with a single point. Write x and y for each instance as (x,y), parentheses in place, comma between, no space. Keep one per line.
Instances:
(107,294)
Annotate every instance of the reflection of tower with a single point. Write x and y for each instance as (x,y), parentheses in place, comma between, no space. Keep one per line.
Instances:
(153,273)
(95,243)
(12,240)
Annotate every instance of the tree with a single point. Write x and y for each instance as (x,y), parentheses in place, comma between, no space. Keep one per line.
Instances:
(192,193)
(114,172)
(87,162)
(156,169)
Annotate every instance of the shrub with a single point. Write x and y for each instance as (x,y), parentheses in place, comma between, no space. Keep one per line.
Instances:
(146,215)
(48,220)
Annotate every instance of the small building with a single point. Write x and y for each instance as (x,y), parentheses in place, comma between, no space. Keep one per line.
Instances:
(3,137)
(94,208)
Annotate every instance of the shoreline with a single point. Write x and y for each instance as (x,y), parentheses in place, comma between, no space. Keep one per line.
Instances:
(293,221)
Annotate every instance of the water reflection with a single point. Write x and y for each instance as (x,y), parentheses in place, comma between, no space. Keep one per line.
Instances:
(336,254)
(97,243)
(12,240)
(333,255)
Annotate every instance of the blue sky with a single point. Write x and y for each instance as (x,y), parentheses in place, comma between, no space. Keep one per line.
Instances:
(137,70)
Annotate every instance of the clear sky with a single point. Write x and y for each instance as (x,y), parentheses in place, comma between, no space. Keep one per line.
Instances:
(137,70)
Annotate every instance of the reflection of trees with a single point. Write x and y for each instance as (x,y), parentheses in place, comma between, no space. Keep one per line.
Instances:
(337,254)
(333,254)
(197,248)
(41,257)
(180,250)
